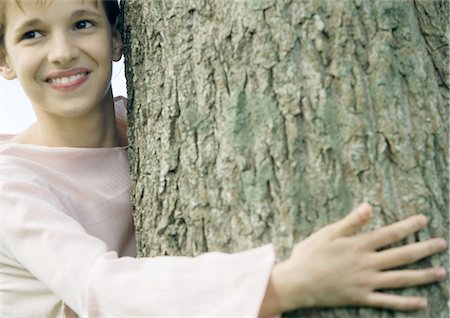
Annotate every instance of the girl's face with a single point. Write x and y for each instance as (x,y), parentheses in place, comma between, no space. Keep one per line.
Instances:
(61,52)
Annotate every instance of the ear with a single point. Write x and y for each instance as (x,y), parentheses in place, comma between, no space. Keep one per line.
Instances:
(6,69)
(117,45)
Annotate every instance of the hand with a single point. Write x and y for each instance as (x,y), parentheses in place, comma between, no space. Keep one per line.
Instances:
(338,266)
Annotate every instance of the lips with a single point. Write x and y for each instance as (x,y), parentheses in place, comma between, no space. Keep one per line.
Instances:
(68,80)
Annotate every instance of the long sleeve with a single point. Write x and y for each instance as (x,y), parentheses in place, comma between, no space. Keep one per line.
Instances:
(47,253)
(211,285)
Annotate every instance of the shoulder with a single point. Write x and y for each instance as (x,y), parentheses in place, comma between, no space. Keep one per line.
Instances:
(24,182)
(22,162)
(120,108)
(10,159)
(15,169)
(6,137)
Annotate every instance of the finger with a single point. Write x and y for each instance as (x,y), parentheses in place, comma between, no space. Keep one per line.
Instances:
(395,302)
(396,232)
(408,254)
(353,222)
(408,278)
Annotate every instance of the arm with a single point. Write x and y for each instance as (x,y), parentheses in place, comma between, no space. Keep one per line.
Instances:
(79,269)
(339,266)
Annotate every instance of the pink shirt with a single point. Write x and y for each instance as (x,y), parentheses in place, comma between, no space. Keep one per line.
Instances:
(67,246)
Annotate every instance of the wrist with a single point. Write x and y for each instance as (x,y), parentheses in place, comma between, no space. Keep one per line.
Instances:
(287,290)
(271,304)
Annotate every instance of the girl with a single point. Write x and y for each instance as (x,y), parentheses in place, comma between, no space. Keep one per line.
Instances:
(67,241)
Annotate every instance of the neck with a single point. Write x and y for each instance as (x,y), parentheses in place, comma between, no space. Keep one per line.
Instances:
(94,129)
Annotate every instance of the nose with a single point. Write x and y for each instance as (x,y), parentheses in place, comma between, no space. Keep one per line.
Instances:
(63,49)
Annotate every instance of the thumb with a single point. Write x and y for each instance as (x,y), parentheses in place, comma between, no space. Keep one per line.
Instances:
(354,221)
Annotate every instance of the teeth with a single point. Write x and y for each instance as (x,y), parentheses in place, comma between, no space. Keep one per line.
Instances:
(66,80)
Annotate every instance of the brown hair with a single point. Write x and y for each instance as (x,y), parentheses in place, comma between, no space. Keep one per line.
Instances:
(111,8)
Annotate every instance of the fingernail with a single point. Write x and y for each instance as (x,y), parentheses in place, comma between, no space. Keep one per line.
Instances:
(423,221)
(442,244)
(441,273)
(423,303)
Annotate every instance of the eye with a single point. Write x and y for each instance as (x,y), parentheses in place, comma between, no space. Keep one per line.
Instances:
(83,24)
(31,35)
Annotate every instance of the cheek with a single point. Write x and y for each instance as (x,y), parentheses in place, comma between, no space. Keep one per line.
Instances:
(101,51)
(25,63)
(29,74)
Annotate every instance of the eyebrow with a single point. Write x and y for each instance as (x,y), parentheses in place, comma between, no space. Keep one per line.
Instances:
(28,24)
(83,12)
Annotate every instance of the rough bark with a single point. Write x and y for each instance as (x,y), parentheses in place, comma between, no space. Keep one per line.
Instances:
(258,121)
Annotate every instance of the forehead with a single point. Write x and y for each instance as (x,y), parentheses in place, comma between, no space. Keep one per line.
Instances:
(19,4)
(10,7)
(43,10)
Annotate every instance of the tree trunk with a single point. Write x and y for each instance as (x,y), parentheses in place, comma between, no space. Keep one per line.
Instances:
(256,121)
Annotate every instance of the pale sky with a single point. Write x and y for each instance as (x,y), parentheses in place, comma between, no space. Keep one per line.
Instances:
(16,112)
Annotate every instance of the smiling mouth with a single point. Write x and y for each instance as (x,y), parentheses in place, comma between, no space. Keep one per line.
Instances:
(67,79)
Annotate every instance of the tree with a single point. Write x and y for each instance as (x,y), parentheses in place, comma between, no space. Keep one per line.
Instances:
(258,121)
